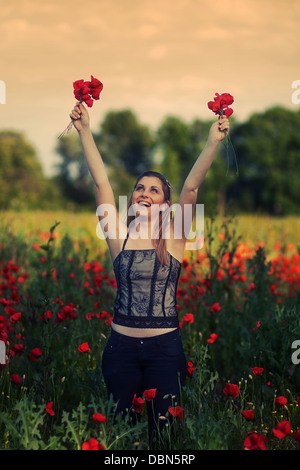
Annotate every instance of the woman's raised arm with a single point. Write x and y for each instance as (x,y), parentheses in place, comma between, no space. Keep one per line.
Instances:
(106,205)
(81,122)
(188,195)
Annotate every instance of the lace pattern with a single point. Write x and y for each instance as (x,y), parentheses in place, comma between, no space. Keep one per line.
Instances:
(146,295)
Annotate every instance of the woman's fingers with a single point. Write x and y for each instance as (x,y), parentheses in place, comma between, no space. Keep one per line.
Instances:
(76,113)
(223,123)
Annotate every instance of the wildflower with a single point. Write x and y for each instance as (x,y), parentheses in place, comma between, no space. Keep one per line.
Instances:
(92,444)
(190,369)
(213,338)
(215,307)
(100,418)
(297,436)
(150,394)
(177,412)
(15,379)
(137,404)
(255,441)
(282,429)
(46,315)
(257,370)
(49,408)
(35,354)
(281,401)
(18,349)
(188,318)
(248,415)
(231,390)
(84,347)
(15,317)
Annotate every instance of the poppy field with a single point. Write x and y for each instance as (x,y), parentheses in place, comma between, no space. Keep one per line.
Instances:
(238,305)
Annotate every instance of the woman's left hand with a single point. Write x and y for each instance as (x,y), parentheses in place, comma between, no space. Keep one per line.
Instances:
(219,129)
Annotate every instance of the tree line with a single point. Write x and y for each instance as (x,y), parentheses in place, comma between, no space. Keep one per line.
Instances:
(267,148)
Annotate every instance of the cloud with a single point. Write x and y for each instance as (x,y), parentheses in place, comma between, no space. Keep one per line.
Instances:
(155,57)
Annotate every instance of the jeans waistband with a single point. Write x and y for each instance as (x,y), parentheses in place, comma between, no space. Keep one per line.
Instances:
(164,337)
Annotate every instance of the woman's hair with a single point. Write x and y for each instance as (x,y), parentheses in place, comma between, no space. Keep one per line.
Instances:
(160,242)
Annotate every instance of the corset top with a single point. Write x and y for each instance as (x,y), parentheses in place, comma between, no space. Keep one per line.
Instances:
(146,290)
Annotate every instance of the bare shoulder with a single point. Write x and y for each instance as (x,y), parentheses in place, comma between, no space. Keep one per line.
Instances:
(175,246)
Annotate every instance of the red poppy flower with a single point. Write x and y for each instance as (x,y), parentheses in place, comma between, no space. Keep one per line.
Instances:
(92,444)
(49,408)
(257,370)
(190,369)
(35,354)
(188,318)
(46,315)
(220,104)
(100,418)
(87,91)
(150,394)
(282,429)
(137,404)
(84,347)
(255,441)
(18,349)
(281,401)
(213,338)
(231,390)
(248,415)
(15,317)
(177,412)
(228,112)
(15,379)
(215,307)
(297,436)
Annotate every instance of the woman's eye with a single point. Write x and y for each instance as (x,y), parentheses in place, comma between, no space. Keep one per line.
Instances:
(155,190)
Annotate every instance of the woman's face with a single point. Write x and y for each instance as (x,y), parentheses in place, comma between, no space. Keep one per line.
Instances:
(148,191)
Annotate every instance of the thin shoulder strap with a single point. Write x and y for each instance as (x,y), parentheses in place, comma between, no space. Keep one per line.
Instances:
(125,241)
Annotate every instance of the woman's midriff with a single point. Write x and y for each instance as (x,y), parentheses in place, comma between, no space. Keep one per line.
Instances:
(140,332)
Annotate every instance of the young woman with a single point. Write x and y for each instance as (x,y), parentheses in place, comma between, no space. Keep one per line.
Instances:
(145,350)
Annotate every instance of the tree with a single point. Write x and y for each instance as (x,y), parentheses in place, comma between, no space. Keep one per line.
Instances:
(22,180)
(126,143)
(74,178)
(181,144)
(268,150)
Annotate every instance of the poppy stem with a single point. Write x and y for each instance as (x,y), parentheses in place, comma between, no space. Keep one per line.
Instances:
(67,130)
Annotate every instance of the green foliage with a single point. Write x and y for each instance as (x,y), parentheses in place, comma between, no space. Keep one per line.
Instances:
(79,294)
(125,142)
(266,147)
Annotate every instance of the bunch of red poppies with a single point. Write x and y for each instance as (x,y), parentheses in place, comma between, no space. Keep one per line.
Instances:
(87,91)
(221,104)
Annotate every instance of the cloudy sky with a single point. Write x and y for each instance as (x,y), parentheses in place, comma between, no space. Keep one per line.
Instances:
(158,58)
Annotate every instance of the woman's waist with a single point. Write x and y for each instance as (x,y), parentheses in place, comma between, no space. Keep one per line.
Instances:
(140,332)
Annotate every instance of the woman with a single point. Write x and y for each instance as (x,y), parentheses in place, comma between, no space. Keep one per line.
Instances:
(144,350)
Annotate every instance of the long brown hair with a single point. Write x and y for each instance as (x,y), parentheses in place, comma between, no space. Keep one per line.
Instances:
(159,243)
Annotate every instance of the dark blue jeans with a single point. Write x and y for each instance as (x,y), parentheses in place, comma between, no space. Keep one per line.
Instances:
(132,365)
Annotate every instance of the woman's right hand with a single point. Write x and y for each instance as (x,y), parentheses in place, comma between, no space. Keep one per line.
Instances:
(80,117)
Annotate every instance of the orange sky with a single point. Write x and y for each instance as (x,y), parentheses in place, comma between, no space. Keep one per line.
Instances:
(157,57)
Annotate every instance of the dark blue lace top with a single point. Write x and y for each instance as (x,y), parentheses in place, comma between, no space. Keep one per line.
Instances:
(146,290)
